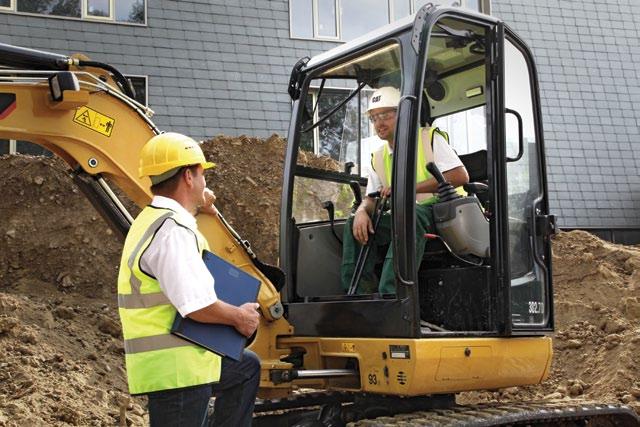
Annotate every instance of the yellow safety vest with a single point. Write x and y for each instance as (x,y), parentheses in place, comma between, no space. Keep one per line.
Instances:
(381,161)
(156,359)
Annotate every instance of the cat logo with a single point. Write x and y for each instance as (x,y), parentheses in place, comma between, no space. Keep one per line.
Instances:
(376,99)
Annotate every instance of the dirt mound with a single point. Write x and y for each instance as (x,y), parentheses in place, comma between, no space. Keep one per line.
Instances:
(597,307)
(597,313)
(61,360)
(247,180)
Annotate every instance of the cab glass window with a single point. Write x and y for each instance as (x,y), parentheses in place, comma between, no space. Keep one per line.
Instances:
(335,146)
(529,303)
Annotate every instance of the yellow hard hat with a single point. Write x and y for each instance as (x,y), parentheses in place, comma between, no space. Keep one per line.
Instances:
(169,151)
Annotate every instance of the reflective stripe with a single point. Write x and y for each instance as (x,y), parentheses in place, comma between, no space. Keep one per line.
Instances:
(155,342)
(142,300)
(133,280)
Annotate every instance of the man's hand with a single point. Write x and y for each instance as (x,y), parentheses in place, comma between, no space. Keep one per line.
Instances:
(248,318)
(362,226)
(385,192)
(209,200)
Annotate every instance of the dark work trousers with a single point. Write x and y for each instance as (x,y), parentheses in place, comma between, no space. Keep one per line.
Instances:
(369,283)
(235,397)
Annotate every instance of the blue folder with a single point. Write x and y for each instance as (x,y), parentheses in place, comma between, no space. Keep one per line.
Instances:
(232,286)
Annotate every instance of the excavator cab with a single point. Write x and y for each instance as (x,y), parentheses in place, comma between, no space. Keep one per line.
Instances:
(470,76)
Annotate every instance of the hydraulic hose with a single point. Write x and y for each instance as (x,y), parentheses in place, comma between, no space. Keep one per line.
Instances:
(32,59)
(124,83)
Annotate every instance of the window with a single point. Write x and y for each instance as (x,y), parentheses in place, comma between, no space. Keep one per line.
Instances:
(345,20)
(338,136)
(140,86)
(70,8)
(124,11)
(99,9)
(335,125)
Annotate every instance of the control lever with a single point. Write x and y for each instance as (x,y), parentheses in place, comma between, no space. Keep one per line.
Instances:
(355,188)
(328,205)
(348,166)
(379,209)
(446,192)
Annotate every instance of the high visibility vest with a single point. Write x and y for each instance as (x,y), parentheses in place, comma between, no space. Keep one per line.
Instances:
(155,359)
(382,162)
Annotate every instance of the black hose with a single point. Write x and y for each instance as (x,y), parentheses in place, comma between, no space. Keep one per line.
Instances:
(124,83)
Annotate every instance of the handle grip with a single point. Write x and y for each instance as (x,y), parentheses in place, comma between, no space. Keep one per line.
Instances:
(433,170)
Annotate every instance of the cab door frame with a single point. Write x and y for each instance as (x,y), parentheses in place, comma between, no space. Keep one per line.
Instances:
(404,168)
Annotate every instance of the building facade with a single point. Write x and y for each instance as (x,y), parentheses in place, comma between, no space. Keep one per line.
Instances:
(222,67)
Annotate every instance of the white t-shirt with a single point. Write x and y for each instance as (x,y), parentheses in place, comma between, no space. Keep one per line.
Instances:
(173,259)
(443,156)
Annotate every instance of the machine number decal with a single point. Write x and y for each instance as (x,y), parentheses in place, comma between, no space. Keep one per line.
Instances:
(373,379)
(93,120)
(536,307)
(348,347)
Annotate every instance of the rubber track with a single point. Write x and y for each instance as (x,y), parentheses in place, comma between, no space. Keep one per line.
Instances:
(538,413)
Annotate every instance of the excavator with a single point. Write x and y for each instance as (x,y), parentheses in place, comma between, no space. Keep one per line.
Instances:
(476,313)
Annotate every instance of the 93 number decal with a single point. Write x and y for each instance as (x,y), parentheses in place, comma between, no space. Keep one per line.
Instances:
(536,307)
(373,379)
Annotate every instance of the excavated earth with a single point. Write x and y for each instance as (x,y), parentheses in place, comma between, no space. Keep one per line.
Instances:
(61,357)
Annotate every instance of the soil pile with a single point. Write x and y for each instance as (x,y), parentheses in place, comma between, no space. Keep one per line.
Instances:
(597,306)
(61,358)
(597,313)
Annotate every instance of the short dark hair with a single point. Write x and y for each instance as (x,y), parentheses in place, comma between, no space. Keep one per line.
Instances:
(170,185)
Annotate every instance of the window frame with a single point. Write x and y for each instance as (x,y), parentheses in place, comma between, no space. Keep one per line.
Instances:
(485,7)
(110,18)
(84,16)
(316,21)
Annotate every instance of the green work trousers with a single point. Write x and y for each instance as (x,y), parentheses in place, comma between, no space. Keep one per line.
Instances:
(380,247)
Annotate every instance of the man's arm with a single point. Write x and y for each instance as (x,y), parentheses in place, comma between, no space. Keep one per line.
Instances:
(362,224)
(244,318)
(456,177)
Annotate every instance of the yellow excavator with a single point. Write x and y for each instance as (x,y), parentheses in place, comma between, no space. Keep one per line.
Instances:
(475,314)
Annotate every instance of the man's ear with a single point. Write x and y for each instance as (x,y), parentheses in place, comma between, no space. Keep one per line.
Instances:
(188,177)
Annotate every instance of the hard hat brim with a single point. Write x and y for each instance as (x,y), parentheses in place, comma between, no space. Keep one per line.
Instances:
(208,165)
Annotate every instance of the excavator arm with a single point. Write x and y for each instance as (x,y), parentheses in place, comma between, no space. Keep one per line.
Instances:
(83,112)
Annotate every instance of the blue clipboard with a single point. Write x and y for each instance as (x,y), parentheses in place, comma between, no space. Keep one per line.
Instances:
(233,286)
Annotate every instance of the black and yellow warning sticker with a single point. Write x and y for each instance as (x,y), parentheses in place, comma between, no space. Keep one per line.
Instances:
(93,120)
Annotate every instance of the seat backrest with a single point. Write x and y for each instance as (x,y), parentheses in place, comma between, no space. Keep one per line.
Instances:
(476,164)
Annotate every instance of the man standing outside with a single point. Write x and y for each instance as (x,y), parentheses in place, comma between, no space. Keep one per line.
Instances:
(432,146)
(162,273)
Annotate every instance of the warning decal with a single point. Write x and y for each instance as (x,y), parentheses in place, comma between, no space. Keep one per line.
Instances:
(93,120)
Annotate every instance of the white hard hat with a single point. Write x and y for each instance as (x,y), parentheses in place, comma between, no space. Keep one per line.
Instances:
(384,97)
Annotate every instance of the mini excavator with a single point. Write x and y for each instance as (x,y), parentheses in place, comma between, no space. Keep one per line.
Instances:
(476,313)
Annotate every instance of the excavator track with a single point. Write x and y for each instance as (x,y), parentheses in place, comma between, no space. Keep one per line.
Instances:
(530,414)
(361,410)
